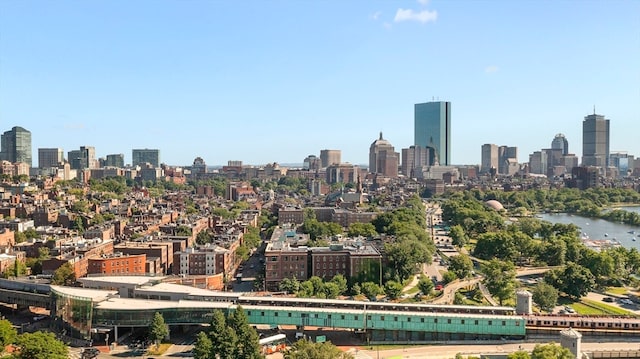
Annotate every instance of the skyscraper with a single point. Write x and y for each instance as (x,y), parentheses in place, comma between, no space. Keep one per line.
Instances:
(85,158)
(595,141)
(16,146)
(413,159)
(489,158)
(560,142)
(383,159)
(115,160)
(50,157)
(433,129)
(142,156)
(330,157)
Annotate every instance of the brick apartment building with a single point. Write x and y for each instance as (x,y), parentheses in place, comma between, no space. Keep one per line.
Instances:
(118,264)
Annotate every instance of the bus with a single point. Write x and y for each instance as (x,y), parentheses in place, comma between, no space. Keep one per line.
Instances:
(274,343)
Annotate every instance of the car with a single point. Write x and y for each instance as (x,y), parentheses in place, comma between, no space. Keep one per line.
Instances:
(439,287)
(626,301)
(608,299)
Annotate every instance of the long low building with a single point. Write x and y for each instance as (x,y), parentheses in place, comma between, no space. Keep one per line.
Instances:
(93,314)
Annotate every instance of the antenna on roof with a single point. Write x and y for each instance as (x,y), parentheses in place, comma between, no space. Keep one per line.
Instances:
(594,109)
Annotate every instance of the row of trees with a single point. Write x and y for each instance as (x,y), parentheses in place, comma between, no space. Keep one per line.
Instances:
(228,337)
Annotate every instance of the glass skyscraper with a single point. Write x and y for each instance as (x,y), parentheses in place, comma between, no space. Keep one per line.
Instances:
(595,141)
(433,129)
(16,146)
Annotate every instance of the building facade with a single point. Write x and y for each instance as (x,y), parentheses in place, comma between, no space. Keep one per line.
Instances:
(142,156)
(433,129)
(330,157)
(414,158)
(489,158)
(114,160)
(595,141)
(560,142)
(383,159)
(15,146)
(50,157)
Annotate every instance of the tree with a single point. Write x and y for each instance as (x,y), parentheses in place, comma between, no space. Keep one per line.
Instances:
(158,330)
(520,354)
(8,333)
(223,337)
(17,269)
(370,290)
(500,278)
(551,351)
(545,295)
(40,345)
(305,349)
(361,229)
(393,289)
(289,285)
(65,275)
(247,345)
(203,347)
(425,284)
(576,280)
(461,265)
(19,237)
(458,237)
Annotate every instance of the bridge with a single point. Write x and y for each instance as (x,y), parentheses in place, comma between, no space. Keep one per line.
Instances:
(25,294)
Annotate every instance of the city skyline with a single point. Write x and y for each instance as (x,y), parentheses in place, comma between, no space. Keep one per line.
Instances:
(277,82)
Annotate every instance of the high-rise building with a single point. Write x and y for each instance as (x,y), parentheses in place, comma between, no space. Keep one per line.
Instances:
(115,160)
(330,157)
(489,158)
(507,160)
(595,141)
(142,156)
(433,129)
(15,146)
(414,158)
(383,159)
(560,142)
(50,157)
(311,163)
(85,158)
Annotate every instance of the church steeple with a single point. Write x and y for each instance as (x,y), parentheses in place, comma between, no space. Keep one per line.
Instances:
(380,134)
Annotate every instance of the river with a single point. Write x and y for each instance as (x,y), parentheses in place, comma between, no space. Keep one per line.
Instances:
(599,229)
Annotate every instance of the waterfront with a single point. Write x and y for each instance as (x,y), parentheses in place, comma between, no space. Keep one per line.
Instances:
(599,229)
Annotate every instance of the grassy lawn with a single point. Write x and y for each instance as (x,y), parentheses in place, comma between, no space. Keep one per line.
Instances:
(617,290)
(592,307)
(159,350)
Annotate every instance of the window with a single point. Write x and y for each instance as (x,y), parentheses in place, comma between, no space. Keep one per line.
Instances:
(262,314)
(448,321)
(504,322)
(382,317)
(342,317)
(355,317)
(421,320)
(517,324)
(490,322)
(315,316)
(408,319)
(435,320)
(395,319)
(328,316)
(462,321)
(368,317)
(289,315)
(275,314)
(476,322)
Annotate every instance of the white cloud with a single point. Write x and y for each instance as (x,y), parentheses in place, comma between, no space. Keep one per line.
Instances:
(423,16)
(491,69)
(387,25)
(423,2)
(376,15)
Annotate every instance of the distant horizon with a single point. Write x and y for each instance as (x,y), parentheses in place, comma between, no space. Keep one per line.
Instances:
(277,81)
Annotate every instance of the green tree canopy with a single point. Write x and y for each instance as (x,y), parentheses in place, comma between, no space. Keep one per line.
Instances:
(158,330)
(461,265)
(8,333)
(551,351)
(65,275)
(305,349)
(500,278)
(545,295)
(40,345)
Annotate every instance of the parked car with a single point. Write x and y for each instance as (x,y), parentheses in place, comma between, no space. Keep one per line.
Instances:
(608,299)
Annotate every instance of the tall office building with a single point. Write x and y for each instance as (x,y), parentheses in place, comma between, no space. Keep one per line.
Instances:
(433,129)
(84,158)
(330,157)
(489,158)
(142,156)
(595,141)
(560,143)
(507,160)
(383,159)
(15,146)
(50,157)
(413,159)
(115,160)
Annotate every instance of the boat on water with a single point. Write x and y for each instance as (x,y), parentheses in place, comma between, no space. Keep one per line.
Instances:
(633,239)
(606,234)
(632,232)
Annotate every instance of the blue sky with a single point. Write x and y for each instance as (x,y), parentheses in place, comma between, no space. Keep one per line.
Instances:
(275,81)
